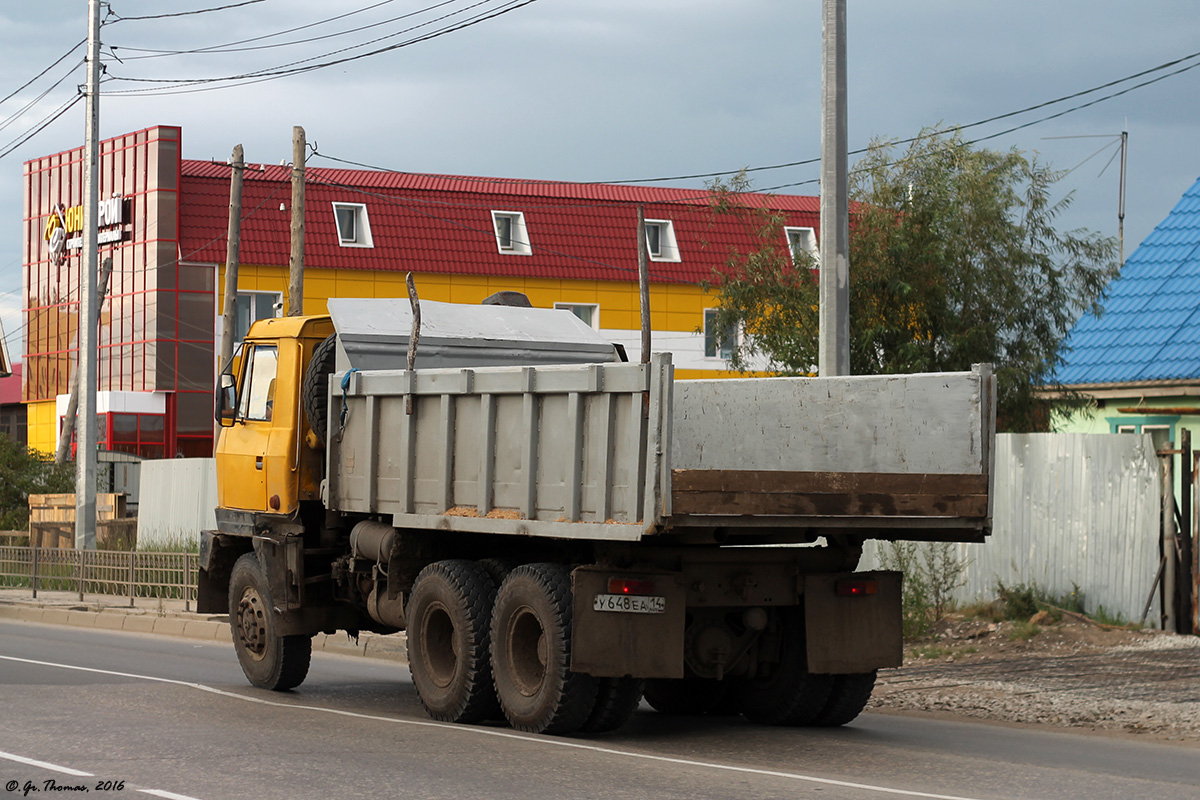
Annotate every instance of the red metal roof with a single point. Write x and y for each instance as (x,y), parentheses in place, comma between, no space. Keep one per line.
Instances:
(10,387)
(442,223)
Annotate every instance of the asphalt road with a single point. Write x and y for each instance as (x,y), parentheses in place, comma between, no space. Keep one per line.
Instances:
(175,718)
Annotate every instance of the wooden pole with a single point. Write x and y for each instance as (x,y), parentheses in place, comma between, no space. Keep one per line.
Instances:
(1185,531)
(1169,548)
(296,264)
(414,335)
(232,248)
(68,423)
(643,283)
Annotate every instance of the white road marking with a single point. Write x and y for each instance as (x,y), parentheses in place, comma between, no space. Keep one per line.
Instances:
(167,795)
(52,767)
(32,762)
(530,739)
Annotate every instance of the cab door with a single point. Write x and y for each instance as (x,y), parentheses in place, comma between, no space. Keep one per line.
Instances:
(244,446)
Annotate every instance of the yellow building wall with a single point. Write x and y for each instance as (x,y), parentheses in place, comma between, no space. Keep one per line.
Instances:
(41,430)
(675,308)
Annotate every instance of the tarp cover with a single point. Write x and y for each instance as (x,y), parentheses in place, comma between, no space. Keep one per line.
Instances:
(373,334)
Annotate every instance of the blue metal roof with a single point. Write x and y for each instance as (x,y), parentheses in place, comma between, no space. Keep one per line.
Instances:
(1150,326)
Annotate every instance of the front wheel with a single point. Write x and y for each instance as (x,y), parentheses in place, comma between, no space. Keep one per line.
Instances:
(270,661)
(531,652)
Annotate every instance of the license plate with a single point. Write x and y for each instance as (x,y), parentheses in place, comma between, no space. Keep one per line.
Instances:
(630,603)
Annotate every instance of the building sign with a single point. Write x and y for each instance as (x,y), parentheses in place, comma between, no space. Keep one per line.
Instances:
(64,227)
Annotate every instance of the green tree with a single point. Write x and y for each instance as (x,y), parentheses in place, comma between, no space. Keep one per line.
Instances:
(955,259)
(24,472)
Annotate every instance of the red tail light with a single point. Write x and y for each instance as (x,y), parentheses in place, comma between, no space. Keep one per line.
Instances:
(856,588)
(630,586)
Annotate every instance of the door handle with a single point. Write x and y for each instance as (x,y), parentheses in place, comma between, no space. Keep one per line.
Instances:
(258,462)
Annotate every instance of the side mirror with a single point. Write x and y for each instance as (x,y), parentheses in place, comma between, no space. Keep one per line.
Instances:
(225,401)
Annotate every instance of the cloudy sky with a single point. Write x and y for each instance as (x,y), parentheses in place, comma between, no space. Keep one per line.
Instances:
(613,90)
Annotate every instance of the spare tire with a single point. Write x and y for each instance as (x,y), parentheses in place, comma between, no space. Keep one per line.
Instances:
(314,392)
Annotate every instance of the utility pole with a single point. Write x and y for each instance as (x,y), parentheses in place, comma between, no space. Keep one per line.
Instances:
(1121,198)
(232,247)
(834,341)
(296,264)
(643,285)
(85,452)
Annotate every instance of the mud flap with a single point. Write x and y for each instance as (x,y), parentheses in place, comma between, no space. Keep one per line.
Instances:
(617,643)
(852,622)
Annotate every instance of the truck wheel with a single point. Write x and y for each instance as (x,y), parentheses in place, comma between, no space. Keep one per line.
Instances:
(688,696)
(531,652)
(448,641)
(270,661)
(847,700)
(616,700)
(785,692)
(314,390)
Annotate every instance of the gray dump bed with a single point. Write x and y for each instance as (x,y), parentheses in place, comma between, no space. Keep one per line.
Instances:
(621,452)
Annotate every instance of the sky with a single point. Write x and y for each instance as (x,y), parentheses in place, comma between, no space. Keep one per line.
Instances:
(614,90)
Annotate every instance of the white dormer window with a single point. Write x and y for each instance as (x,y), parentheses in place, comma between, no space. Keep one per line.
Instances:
(660,240)
(589,313)
(353,227)
(800,241)
(512,238)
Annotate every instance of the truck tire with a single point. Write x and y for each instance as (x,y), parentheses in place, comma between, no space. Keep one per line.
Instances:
(449,613)
(786,693)
(847,699)
(531,652)
(616,700)
(314,390)
(270,661)
(689,696)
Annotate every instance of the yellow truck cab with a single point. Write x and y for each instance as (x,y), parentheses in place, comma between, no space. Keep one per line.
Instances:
(265,453)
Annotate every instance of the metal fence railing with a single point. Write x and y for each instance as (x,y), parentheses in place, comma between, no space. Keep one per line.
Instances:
(169,576)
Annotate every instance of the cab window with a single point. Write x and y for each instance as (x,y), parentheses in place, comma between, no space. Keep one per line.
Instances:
(258,392)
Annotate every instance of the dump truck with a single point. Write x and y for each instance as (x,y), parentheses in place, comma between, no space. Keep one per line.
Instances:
(560,532)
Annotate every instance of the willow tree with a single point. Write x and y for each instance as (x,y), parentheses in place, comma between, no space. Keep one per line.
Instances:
(955,259)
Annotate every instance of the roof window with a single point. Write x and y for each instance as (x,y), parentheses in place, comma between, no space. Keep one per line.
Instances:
(660,240)
(512,238)
(353,227)
(800,241)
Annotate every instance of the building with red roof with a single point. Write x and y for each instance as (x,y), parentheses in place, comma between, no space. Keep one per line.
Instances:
(164,222)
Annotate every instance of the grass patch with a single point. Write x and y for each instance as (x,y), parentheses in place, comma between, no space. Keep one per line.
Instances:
(1022,631)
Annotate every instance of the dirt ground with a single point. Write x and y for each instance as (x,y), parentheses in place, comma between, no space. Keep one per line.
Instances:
(1072,673)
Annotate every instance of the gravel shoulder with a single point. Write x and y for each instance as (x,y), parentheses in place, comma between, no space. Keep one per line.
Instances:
(1072,674)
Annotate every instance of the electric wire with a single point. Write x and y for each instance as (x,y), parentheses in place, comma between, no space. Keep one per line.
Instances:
(233,48)
(41,126)
(60,59)
(119,18)
(304,65)
(17,115)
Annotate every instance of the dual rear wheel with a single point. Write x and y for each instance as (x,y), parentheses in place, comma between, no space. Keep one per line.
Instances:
(486,641)
(782,692)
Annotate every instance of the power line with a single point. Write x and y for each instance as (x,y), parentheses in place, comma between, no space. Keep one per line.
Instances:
(58,61)
(119,18)
(17,115)
(232,47)
(294,68)
(976,124)
(41,126)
